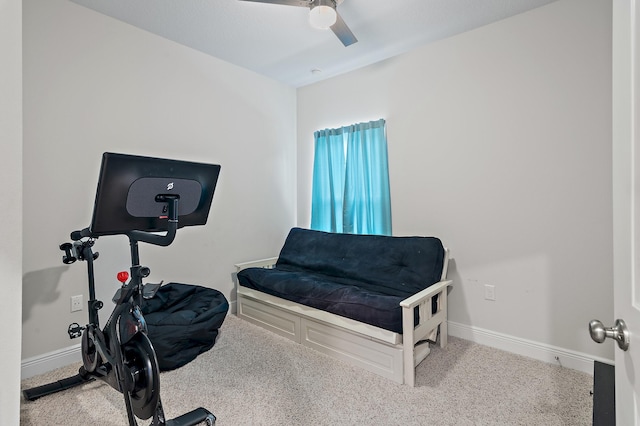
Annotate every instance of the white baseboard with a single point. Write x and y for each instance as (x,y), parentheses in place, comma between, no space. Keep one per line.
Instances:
(50,361)
(542,352)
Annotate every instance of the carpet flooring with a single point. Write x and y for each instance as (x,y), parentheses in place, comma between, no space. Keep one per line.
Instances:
(254,377)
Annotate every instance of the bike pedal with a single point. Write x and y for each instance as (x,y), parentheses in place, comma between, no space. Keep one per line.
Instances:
(75,330)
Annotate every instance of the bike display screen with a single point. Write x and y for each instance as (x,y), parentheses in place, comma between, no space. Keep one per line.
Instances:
(131,188)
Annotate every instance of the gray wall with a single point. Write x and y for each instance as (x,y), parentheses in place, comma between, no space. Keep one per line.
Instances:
(11,178)
(94,84)
(500,144)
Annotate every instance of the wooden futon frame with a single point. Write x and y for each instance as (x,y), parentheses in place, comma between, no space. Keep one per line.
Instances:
(389,354)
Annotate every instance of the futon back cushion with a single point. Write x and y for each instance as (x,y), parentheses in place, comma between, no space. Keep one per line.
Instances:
(396,266)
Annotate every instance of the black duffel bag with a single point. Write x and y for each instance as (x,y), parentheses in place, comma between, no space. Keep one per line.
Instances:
(183,322)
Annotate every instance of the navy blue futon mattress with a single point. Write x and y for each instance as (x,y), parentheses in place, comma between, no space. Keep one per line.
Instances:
(362,277)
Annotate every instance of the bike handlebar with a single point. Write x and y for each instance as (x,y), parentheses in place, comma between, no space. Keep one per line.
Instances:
(143,236)
(172,225)
(78,235)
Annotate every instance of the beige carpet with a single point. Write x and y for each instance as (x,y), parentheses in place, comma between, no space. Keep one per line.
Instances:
(253,377)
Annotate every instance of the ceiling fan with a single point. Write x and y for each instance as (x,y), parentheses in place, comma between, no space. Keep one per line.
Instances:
(322,14)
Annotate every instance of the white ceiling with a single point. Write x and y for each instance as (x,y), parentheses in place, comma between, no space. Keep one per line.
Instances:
(278,42)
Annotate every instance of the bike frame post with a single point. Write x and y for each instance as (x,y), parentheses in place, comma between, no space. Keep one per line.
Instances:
(92,304)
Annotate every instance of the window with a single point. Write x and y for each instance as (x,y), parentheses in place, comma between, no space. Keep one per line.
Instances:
(350,191)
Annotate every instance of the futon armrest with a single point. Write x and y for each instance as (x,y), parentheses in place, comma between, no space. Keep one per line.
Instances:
(424,295)
(262,263)
(415,337)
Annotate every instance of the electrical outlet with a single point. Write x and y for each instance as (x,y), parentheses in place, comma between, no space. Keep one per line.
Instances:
(76,303)
(489,292)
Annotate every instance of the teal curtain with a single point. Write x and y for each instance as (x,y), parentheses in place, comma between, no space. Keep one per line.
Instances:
(328,181)
(351,180)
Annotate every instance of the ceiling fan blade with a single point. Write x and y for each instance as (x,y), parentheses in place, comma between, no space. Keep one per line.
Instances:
(343,32)
(303,3)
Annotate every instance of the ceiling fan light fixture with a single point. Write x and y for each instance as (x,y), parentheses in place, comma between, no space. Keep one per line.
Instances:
(323,15)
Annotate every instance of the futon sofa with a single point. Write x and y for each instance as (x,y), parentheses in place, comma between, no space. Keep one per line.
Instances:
(374,301)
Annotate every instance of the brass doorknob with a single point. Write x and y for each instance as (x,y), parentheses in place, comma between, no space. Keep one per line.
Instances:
(620,333)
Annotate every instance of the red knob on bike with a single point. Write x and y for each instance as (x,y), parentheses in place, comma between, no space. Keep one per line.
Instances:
(123,276)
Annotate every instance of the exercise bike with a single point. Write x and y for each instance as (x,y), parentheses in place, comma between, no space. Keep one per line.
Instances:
(121,353)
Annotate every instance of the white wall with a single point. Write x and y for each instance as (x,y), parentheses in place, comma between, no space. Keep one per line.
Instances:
(94,84)
(500,144)
(11,178)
